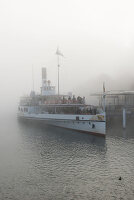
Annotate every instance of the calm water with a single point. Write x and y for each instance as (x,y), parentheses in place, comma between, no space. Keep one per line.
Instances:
(38,163)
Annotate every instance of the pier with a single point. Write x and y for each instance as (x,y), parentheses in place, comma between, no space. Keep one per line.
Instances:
(118,104)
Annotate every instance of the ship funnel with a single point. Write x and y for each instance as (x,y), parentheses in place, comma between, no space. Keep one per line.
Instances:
(44,73)
(46,89)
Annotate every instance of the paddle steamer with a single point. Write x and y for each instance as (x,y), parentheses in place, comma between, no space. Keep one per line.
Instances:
(66,111)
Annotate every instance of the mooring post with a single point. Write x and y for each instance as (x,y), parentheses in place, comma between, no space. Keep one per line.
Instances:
(124,117)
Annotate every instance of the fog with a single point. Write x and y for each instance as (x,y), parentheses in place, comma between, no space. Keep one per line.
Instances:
(96,38)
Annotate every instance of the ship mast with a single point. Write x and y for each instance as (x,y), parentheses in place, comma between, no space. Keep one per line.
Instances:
(58,61)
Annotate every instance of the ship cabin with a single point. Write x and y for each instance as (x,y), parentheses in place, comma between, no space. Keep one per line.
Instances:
(56,104)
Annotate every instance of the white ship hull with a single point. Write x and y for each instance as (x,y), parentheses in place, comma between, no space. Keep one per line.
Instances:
(93,124)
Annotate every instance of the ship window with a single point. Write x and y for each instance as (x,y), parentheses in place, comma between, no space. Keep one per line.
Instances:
(83,122)
(89,123)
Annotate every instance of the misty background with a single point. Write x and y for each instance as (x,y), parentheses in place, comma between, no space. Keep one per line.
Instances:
(96,38)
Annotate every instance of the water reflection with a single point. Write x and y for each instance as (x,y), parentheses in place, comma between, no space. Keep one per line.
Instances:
(115,128)
(63,137)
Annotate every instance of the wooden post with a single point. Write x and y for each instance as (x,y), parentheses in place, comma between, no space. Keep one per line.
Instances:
(124,118)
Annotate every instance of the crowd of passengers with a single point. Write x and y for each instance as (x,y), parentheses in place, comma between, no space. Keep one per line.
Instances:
(65,100)
(87,111)
(78,100)
(72,110)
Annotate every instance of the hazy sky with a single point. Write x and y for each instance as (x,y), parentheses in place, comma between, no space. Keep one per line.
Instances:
(96,37)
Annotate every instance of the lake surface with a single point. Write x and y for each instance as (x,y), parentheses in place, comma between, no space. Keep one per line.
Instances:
(38,163)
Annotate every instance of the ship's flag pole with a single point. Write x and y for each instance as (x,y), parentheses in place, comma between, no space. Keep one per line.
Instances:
(58,53)
(104,95)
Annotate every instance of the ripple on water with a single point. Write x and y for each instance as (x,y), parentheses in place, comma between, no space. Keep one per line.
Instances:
(50,163)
